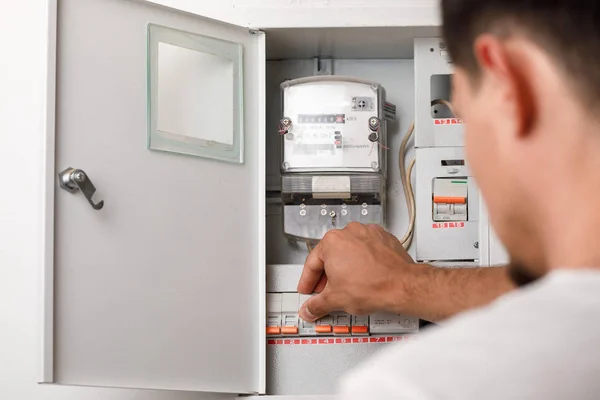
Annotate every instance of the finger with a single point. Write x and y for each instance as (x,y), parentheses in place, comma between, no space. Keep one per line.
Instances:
(321,285)
(378,231)
(357,229)
(312,272)
(316,307)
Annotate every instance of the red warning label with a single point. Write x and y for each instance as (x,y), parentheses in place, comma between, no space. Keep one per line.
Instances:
(448,225)
(448,121)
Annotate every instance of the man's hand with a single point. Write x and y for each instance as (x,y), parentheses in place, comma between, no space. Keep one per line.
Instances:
(358,269)
(363,269)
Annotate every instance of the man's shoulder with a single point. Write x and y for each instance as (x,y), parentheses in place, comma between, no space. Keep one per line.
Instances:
(510,348)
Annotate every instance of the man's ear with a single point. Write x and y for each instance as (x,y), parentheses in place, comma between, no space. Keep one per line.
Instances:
(508,75)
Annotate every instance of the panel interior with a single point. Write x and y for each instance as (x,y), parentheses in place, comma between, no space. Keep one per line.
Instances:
(315,369)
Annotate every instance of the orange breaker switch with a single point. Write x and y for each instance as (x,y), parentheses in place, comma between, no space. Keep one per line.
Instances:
(360,330)
(289,330)
(273,330)
(449,200)
(323,328)
(341,330)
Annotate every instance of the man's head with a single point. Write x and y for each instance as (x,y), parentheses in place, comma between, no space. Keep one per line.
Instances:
(527,83)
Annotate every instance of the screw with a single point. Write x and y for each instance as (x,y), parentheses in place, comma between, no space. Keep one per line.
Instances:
(323,205)
(286,166)
(344,212)
(476,245)
(374,165)
(332,214)
(79,176)
(365,205)
(303,212)
(323,212)
(365,212)
(374,123)
(344,205)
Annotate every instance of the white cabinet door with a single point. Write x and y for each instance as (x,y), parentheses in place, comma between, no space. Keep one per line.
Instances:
(163,287)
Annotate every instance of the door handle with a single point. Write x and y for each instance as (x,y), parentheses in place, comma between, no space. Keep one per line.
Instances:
(72,180)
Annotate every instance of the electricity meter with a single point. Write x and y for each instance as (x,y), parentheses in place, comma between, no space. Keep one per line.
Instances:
(334,154)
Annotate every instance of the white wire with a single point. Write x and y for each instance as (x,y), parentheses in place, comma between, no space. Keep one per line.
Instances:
(412,209)
(444,103)
(407,186)
(309,247)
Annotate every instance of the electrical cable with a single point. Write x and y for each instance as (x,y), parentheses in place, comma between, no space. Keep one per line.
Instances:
(405,178)
(444,103)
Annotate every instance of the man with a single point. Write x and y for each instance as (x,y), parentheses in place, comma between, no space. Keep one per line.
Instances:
(527,83)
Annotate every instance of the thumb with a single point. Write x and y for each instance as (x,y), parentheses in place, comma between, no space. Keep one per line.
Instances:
(316,307)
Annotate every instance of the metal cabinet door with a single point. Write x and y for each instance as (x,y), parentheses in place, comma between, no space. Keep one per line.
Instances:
(162,287)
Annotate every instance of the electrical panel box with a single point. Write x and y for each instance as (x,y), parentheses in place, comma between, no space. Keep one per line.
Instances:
(334,166)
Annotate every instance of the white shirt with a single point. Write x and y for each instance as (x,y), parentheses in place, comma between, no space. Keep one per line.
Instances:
(540,342)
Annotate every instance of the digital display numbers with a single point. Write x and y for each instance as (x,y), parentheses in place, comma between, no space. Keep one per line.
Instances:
(322,119)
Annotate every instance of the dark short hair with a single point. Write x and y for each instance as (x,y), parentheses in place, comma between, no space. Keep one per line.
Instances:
(567,30)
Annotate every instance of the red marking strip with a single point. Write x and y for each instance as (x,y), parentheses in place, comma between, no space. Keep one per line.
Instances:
(448,225)
(329,341)
(448,121)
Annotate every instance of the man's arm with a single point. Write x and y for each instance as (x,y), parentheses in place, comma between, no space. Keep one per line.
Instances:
(434,293)
(363,269)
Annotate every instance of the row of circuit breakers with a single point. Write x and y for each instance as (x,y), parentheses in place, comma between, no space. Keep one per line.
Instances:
(283,321)
(334,159)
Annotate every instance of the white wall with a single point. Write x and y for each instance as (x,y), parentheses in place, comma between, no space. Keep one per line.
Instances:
(22,102)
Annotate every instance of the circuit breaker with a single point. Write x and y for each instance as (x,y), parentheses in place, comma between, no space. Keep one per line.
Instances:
(448,207)
(448,201)
(334,164)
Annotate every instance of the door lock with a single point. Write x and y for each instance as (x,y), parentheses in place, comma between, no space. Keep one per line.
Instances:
(72,180)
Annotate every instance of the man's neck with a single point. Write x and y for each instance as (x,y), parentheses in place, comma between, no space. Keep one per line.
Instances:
(573,226)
